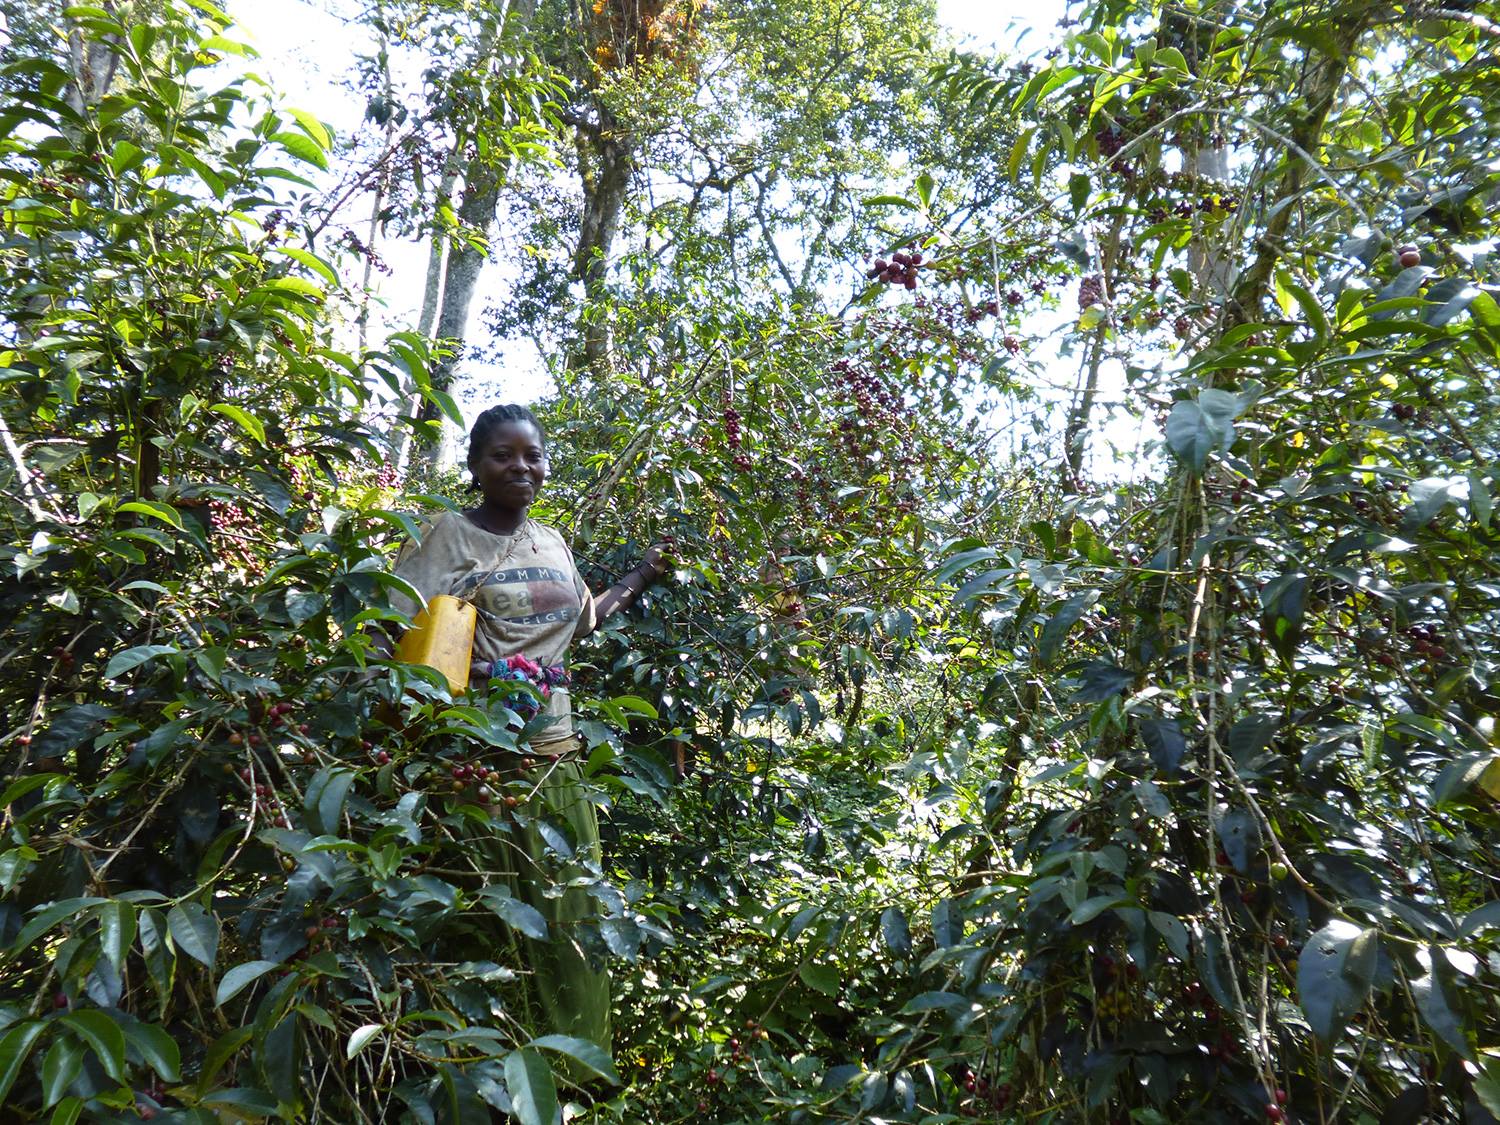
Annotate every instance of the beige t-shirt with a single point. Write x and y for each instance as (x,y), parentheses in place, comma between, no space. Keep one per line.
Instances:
(526,587)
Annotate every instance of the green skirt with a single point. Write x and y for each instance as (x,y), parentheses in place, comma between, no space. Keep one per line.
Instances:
(567,993)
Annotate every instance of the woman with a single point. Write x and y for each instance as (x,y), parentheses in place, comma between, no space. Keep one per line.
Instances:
(531,604)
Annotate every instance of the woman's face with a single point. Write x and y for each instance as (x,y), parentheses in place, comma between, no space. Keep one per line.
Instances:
(511,466)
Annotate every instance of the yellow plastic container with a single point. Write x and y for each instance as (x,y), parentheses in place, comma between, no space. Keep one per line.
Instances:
(442,637)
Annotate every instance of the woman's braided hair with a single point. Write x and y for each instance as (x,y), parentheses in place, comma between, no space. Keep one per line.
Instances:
(491,420)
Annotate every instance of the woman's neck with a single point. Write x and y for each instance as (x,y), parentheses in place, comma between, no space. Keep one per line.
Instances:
(498,520)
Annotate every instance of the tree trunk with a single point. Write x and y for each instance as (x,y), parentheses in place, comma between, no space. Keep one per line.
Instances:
(1325,75)
(453,267)
(1080,414)
(93,63)
(605,163)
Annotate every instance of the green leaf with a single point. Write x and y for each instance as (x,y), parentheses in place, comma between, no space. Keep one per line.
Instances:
(895,931)
(312,262)
(1481,917)
(116,932)
(947,923)
(962,561)
(515,913)
(1170,58)
(890,201)
(445,403)
(18,789)
(1017,159)
(158,1049)
(1449,298)
(14,1047)
(324,800)
(104,1037)
(622,936)
(1439,1002)
(1481,503)
(164,512)
(1165,742)
(1239,835)
(1091,317)
(1058,625)
(50,916)
(298,285)
(241,976)
(1487,1090)
(1171,928)
(1099,680)
(820,978)
(195,931)
(219,1052)
(124,155)
(68,1111)
(533,1094)
(1078,190)
(247,422)
(1196,429)
(251,1101)
(933,1001)
(585,1052)
(1405,284)
(1091,908)
(1190,437)
(312,127)
(636,704)
(1317,319)
(925,187)
(279,1057)
(303,148)
(360,1037)
(122,662)
(1335,971)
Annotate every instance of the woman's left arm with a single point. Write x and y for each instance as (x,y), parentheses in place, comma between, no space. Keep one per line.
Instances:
(634,583)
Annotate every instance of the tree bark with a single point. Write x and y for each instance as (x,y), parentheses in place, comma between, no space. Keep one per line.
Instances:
(93,63)
(606,158)
(1325,75)
(454,266)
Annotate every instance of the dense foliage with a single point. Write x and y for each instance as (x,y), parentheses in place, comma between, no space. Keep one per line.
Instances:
(973,763)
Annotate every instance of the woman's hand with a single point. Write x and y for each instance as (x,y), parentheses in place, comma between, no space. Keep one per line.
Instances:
(656,559)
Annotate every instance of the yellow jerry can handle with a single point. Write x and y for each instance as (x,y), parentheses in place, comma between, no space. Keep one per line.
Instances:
(442,637)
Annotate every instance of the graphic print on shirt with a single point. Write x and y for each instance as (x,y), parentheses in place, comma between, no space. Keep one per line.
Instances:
(526,595)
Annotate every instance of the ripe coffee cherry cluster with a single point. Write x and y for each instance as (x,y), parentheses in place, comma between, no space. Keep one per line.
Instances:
(234,528)
(872,397)
(999,1097)
(731,418)
(351,241)
(1408,256)
(900,270)
(1217,203)
(1110,141)
(1427,642)
(1405,411)
(975,313)
(1090,291)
